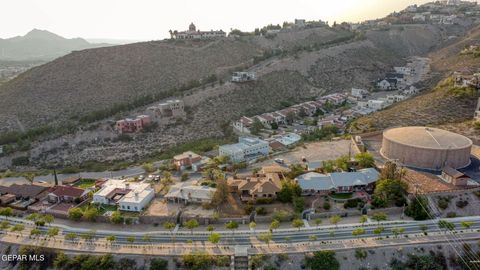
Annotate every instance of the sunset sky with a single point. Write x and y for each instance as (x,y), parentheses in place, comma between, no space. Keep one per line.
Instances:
(151,19)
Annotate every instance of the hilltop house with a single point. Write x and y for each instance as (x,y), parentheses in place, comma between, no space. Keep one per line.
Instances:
(128,196)
(340,182)
(243,76)
(387,84)
(193,33)
(247,148)
(170,109)
(359,93)
(185,160)
(129,125)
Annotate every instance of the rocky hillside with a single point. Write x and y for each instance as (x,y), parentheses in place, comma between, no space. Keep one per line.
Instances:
(440,105)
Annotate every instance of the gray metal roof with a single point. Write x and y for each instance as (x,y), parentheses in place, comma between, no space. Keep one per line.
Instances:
(317,181)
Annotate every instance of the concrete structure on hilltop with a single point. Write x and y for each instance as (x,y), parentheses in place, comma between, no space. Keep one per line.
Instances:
(426,148)
(193,33)
(128,196)
(247,148)
(340,182)
(243,76)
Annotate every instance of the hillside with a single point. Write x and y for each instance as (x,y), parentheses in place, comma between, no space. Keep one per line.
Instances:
(40,45)
(441,105)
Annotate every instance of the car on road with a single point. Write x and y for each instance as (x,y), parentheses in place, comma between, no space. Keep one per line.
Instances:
(279,161)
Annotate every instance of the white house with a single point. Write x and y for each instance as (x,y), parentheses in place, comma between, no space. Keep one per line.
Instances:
(359,93)
(376,104)
(395,98)
(387,84)
(247,148)
(243,76)
(129,196)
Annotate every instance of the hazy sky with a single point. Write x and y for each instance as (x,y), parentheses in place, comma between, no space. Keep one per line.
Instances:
(151,19)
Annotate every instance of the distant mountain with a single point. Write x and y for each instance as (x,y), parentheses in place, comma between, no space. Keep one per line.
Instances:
(41,45)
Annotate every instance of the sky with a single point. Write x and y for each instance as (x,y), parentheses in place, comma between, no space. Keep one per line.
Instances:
(151,19)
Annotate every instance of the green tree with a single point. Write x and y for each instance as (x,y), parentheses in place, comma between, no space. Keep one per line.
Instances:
(443,224)
(75,213)
(466,224)
(317,221)
(363,219)
(418,208)
(298,204)
(210,228)
(117,217)
(232,225)
(379,216)
(48,219)
(169,226)
(252,225)
(71,236)
(322,260)
(365,160)
(358,232)
(335,219)
(185,176)
(148,167)
(256,127)
(90,213)
(5,224)
(379,230)
(221,192)
(18,228)
(398,231)
(214,238)
(391,190)
(191,224)
(298,223)
(289,191)
(266,237)
(147,238)
(342,163)
(158,264)
(131,239)
(52,232)
(111,238)
(35,232)
(274,225)
(6,211)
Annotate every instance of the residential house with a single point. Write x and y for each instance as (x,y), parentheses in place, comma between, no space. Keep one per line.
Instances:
(193,33)
(254,187)
(288,139)
(340,182)
(376,105)
(247,148)
(129,196)
(199,165)
(387,84)
(395,98)
(67,194)
(186,160)
(25,191)
(129,125)
(166,111)
(189,193)
(454,177)
(412,90)
(359,93)
(243,125)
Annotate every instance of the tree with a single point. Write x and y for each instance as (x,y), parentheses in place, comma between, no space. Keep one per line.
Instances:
(148,167)
(379,230)
(210,228)
(75,213)
(391,190)
(398,231)
(358,232)
(322,260)
(48,219)
(418,208)
(232,225)
(158,264)
(443,224)
(221,194)
(274,225)
(70,236)
(6,211)
(365,160)
(252,225)
(167,177)
(390,171)
(289,190)
(147,238)
(191,224)
(317,222)
(298,204)
(379,216)
(116,217)
(5,224)
(169,226)
(266,237)
(52,232)
(90,213)
(185,176)
(214,238)
(18,228)
(363,219)
(30,177)
(466,224)
(256,127)
(35,232)
(131,239)
(290,117)
(298,223)
(335,219)
(342,163)
(111,238)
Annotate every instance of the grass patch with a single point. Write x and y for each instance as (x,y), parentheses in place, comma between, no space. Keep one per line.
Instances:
(341,196)
(85,183)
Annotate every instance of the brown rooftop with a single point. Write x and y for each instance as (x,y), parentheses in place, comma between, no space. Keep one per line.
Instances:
(74,192)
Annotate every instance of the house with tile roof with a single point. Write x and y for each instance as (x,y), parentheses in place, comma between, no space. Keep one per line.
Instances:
(251,188)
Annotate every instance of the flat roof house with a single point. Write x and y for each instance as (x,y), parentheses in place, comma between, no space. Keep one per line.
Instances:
(247,148)
(189,193)
(128,196)
(186,160)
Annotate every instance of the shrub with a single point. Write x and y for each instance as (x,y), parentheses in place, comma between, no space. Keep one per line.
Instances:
(261,211)
(264,200)
(443,203)
(360,254)
(326,206)
(20,161)
(461,203)
(451,214)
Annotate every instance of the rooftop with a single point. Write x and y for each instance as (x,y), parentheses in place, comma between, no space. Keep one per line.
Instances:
(426,137)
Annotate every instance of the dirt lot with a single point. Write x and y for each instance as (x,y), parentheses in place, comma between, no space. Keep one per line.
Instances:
(471,209)
(313,152)
(159,207)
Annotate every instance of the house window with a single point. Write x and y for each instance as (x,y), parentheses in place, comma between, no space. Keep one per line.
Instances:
(136,208)
(128,207)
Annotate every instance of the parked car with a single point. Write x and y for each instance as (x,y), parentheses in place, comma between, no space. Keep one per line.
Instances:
(279,161)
